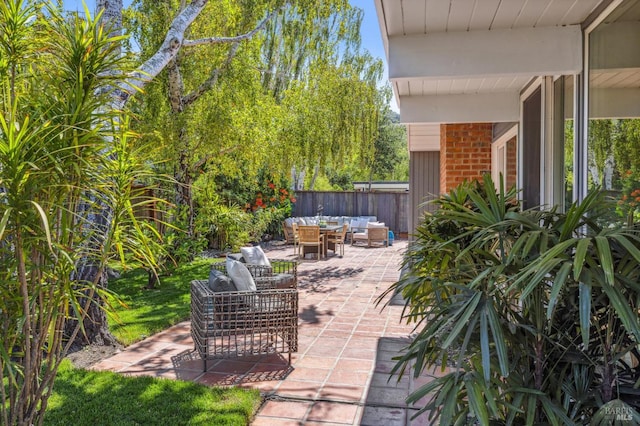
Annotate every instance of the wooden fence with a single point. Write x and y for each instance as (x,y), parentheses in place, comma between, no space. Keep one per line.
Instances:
(389,207)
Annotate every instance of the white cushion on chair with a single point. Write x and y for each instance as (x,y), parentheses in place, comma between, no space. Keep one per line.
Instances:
(240,275)
(255,256)
(375,225)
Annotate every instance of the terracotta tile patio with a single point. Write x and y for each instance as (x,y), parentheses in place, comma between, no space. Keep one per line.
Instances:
(340,374)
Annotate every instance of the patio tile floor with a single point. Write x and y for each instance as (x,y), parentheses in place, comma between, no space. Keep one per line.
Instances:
(339,375)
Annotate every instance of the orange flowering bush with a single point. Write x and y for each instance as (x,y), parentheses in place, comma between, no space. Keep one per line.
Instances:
(272,197)
(271,205)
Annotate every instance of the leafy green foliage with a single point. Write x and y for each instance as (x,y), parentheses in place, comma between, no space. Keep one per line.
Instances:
(216,115)
(92,397)
(180,246)
(534,312)
(300,94)
(388,161)
(228,225)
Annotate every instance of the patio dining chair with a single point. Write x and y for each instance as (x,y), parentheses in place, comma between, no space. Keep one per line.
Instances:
(287,232)
(295,239)
(335,239)
(309,236)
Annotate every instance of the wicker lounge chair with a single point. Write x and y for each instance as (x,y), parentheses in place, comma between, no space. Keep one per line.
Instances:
(232,324)
(376,233)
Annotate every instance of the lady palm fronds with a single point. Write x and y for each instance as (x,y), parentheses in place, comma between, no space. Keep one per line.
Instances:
(534,312)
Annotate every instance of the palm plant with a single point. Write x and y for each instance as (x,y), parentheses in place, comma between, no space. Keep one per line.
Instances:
(60,155)
(534,312)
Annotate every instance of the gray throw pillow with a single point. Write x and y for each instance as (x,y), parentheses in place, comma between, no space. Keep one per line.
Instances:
(240,275)
(255,256)
(219,282)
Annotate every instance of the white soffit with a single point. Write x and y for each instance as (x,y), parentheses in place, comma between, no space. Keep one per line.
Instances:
(406,17)
(445,86)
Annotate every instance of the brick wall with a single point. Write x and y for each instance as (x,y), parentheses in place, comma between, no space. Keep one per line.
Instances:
(465,153)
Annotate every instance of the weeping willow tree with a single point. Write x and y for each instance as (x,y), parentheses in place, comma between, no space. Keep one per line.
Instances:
(327,88)
(331,117)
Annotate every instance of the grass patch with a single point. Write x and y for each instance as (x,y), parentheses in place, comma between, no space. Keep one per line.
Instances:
(150,311)
(83,397)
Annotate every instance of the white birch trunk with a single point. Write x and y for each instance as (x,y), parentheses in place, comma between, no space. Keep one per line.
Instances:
(297,179)
(595,175)
(608,173)
(166,53)
(111,13)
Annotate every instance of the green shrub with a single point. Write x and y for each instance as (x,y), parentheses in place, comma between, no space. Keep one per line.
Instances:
(180,246)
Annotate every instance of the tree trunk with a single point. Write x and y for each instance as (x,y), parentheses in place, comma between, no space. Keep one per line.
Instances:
(297,177)
(184,181)
(96,327)
(316,171)
(95,324)
(111,14)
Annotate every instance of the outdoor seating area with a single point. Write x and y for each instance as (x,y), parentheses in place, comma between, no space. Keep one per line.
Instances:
(339,373)
(319,234)
(354,223)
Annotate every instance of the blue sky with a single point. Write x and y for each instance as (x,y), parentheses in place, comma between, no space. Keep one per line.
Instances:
(371,39)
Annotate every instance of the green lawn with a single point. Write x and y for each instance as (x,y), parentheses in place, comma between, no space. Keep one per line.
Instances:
(147,312)
(84,397)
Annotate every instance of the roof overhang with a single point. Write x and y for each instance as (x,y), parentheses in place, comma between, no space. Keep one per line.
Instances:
(457,61)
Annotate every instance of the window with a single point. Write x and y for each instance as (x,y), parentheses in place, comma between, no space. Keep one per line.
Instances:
(563,141)
(504,158)
(531,147)
(613,127)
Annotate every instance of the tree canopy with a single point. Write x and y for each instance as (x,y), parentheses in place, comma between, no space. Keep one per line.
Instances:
(297,94)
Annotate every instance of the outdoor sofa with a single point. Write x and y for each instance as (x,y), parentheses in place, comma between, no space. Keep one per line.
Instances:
(356,223)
